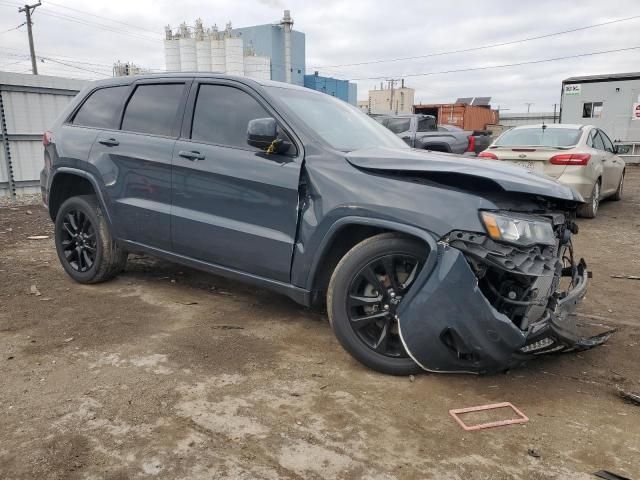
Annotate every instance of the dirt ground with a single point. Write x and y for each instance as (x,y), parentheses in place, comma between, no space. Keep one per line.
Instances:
(170,373)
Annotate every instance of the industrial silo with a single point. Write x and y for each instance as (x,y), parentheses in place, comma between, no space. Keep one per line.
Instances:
(203,48)
(171,51)
(188,59)
(257,67)
(218,57)
(234,53)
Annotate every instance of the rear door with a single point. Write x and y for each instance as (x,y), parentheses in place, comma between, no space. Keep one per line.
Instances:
(233,205)
(136,160)
(612,166)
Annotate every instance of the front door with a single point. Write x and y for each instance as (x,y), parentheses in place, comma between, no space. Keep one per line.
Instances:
(233,205)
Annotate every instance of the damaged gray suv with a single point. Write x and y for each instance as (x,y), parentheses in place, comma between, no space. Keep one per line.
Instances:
(423,260)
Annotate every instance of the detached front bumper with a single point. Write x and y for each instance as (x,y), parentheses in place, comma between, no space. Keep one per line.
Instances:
(447,324)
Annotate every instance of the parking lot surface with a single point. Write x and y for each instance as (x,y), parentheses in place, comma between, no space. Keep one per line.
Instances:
(171,373)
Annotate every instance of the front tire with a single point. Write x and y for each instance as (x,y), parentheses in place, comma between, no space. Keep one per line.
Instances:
(589,210)
(364,291)
(85,247)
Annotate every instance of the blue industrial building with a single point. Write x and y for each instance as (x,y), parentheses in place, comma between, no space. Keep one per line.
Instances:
(332,86)
(268,40)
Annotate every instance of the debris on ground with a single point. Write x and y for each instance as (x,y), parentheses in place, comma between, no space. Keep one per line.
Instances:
(607,475)
(455,413)
(34,291)
(632,397)
(533,452)
(412,378)
(38,237)
(626,277)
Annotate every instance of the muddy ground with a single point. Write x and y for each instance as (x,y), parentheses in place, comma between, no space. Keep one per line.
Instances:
(170,373)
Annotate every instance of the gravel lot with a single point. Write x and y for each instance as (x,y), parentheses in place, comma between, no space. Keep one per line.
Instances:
(170,373)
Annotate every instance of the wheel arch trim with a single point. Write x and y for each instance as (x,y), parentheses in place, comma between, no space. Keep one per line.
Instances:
(343,222)
(92,180)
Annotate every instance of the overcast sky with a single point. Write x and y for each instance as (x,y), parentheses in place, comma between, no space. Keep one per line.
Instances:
(355,31)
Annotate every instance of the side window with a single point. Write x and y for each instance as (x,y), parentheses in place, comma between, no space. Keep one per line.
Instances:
(608,146)
(102,108)
(427,125)
(592,110)
(597,141)
(399,125)
(153,108)
(222,115)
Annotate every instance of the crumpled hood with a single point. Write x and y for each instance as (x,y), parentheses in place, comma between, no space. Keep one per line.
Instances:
(507,177)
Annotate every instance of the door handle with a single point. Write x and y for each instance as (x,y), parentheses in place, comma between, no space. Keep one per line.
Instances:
(109,142)
(192,155)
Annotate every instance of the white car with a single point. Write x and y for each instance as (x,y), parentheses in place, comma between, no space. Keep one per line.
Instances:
(581,156)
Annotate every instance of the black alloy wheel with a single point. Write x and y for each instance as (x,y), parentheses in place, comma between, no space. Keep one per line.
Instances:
(365,291)
(85,247)
(78,240)
(374,296)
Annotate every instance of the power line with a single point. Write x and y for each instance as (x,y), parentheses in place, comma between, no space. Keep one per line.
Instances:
(14,28)
(84,12)
(483,47)
(532,62)
(76,67)
(81,21)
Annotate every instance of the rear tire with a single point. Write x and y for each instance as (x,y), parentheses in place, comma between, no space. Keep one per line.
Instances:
(618,195)
(589,210)
(85,247)
(398,251)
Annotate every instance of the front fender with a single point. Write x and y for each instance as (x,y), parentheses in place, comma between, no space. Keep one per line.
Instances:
(343,222)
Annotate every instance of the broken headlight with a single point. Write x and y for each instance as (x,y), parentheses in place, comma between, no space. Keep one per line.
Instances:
(518,229)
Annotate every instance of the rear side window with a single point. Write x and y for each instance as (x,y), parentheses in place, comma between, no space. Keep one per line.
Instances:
(102,108)
(596,141)
(399,125)
(608,146)
(427,124)
(153,108)
(222,115)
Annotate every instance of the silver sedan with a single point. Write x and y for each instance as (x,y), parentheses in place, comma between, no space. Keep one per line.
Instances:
(581,156)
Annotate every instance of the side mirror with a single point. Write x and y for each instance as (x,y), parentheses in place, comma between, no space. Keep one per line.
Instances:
(262,133)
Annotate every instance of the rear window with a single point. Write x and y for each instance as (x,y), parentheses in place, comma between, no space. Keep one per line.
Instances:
(153,108)
(540,137)
(102,108)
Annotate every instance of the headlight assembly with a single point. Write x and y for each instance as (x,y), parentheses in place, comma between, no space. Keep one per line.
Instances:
(518,230)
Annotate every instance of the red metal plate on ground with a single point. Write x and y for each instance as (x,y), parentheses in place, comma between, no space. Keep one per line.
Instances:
(522,418)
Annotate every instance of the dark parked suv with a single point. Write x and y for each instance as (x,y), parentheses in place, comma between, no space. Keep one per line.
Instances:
(423,259)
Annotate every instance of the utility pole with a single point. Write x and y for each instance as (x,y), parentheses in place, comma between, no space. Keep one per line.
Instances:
(528,106)
(555,105)
(28,10)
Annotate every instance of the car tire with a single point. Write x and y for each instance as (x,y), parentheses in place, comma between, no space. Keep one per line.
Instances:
(84,244)
(379,248)
(590,209)
(618,195)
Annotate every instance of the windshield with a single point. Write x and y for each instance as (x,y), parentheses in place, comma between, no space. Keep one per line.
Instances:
(539,137)
(341,125)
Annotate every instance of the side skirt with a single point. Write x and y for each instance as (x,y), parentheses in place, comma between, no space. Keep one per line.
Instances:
(297,294)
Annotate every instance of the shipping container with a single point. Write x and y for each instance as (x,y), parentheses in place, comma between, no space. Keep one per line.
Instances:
(467,117)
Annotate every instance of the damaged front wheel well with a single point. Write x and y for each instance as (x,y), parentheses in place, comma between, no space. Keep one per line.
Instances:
(342,241)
